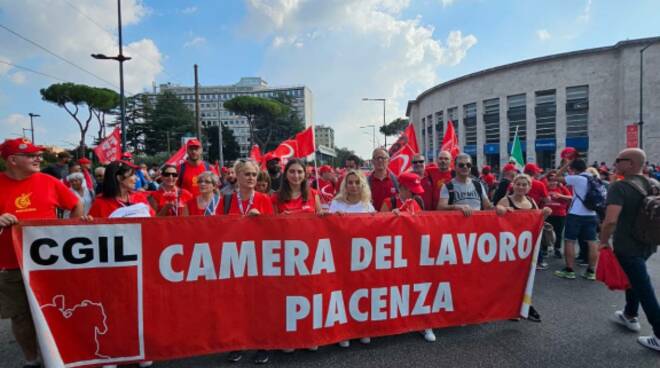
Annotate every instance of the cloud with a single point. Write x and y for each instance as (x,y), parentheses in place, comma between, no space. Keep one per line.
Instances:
(17,120)
(189,10)
(4,68)
(68,32)
(543,34)
(586,13)
(18,78)
(446,3)
(364,48)
(195,41)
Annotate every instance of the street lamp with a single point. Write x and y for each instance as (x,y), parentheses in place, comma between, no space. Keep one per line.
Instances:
(32,124)
(382,100)
(373,133)
(120,58)
(641,95)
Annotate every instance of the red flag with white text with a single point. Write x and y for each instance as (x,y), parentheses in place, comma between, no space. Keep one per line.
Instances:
(407,137)
(178,157)
(306,144)
(287,149)
(406,148)
(450,141)
(110,148)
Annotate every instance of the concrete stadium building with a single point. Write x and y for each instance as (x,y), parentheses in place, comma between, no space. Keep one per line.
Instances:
(583,99)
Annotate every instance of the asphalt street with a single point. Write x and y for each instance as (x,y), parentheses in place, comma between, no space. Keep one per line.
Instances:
(576,331)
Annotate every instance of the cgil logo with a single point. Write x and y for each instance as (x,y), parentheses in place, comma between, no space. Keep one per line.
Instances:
(81,250)
(87,246)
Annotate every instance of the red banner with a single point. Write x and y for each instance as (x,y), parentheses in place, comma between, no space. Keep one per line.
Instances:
(632,136)
(178,157)
(109,149)
(156,289)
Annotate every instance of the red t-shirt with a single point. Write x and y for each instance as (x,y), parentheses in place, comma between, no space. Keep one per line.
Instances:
(558,206)
(261,202)
(381,189)
(326,190)
(190,173)
(36,197)
(296,205)
(194,210)
(103,207)
(410,205)
(434,180)
(163,197)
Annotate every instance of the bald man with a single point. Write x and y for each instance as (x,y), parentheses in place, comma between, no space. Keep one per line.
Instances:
(623,205)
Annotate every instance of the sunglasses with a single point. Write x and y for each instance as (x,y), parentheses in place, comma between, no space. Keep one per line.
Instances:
(204,182)
(620,160)
(170,174)
(463,165)
(418,162)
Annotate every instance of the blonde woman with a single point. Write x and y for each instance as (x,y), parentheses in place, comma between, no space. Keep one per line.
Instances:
(207,201)
(354,195)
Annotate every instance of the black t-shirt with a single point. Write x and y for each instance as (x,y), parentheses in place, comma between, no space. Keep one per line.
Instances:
(623,194)
(501,191)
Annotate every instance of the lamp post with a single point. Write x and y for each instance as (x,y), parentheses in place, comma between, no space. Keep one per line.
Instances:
(641,95)
(373,133)
(120,58)
(383,100)
(32,124)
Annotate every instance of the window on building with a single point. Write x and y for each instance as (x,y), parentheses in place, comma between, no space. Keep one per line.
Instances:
(546,114)
(492,120)
(429,133)
(439,128)
(452,115)
(517,115)
(577,111)
(423,130)
(470,123)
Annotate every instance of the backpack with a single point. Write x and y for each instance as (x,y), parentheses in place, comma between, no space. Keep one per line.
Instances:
(646,228)
(182,170)
(395,182)
(417,199)
(477,186)
(226,203)
(596,196)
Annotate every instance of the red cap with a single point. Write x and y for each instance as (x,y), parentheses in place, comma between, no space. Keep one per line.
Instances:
(84,161)
(509,167)
(126,155)
(569,153)
(224,170)
(532,169)
(18,146)
(412,182)
(193,143)
(325,169)
(486,169)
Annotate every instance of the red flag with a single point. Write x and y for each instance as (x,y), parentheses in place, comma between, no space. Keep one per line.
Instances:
(450,141)
(306,144)
(286,149)
(255,153)
(408,137)
(401,161)
(179,157)
(110,148)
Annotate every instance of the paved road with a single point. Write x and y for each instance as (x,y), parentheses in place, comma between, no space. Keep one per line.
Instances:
(575,332)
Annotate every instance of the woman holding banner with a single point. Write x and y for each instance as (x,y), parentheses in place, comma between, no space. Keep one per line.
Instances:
(118,198)
(169,200)
(522,183)
(295,195)
(206,203)
(354,197)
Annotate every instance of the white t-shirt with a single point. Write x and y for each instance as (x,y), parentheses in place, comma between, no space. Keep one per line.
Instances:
(465,193)
(579,183)
(360,207)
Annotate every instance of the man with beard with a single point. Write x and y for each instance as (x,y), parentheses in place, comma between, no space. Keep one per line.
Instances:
(274,171)
(192,167)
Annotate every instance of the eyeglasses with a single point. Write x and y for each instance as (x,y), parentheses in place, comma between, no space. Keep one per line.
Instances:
(418,162)
(621,159)
(170,174)
(381,158)
(204,182)
(463,165)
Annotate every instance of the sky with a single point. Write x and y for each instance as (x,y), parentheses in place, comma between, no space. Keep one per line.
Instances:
(342,50)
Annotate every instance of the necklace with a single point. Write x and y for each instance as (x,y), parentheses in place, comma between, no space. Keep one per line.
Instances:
(240,202)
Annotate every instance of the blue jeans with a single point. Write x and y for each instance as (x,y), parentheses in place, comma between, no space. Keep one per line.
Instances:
(641,291)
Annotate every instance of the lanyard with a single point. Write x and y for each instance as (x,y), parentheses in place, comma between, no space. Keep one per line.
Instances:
(210,209)
(240,202)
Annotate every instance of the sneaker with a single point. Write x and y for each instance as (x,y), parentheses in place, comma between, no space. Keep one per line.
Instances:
(565,274)
(345,343)
(589,275)
(533,315)
(630,323)
(429,336)
(146,364)
(542,266)
(365,340)
(650,342)
(262,357)
(234,356)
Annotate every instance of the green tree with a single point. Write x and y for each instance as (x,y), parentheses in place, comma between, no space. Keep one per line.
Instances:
(164,126)
(230,148)
(284,126)
(138,110)
(76,97)
(395,127)
(342,155)
(261,114)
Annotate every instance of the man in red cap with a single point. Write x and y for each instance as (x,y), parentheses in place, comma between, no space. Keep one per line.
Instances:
(26,194)
(192,167)
(539,191)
